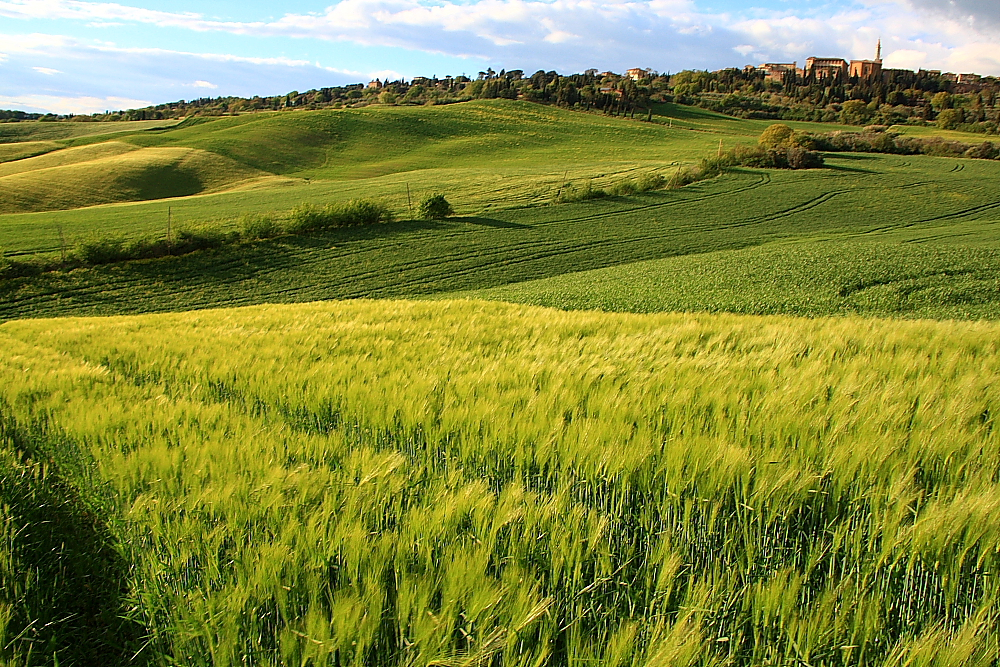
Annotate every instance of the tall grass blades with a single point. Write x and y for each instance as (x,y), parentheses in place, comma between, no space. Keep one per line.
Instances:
(402,483)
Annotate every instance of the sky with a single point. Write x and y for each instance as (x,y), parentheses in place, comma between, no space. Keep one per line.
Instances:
(86,56)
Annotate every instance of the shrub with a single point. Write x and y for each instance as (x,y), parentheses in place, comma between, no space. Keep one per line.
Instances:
(258,226)
(190,239)
(787,157)
(102,250)
(984,151)
(650,181)
(777,135)
(435,207)
(309,217)
(800,158)
(571,193)
(623,188)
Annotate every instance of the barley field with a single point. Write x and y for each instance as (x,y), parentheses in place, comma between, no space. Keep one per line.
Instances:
(478,483)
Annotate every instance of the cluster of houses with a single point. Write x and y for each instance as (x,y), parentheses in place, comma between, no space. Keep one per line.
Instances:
(825,68)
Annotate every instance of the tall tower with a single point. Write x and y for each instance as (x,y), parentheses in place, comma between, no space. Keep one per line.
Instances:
(878,51)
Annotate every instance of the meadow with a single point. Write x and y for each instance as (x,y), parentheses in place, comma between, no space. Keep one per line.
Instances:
(421,444)
(914,207)
(463,482)
(483,156)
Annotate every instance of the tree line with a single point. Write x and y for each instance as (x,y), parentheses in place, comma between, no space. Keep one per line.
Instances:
(897,97)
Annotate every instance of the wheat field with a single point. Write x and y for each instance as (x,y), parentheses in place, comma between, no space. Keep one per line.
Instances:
(475,483)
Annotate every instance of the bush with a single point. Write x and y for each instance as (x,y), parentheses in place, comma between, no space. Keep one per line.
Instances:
(309,217)
(259,226)
(102,250)
(777,135)
(984,151)
(650,181)
(570,193)
(435,207)
(800,158)
(190,239)
(623,188)
(788,157)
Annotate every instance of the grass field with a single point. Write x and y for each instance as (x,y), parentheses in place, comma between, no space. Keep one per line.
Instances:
(954,276)
(449,481)
(458,483)
(917,207)
(484,156)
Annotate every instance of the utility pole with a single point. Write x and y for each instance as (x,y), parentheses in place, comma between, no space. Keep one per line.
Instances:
(169,220)
(409,204)
(720,147)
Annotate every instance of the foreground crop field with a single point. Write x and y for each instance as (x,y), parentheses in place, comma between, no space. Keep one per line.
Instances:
(460,483)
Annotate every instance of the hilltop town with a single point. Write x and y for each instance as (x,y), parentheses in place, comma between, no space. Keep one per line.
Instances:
(838,69)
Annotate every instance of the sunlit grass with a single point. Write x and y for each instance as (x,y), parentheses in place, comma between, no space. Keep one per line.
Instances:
(459,482)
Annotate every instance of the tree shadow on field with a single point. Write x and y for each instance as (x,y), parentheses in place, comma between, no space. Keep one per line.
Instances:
(70,589)
(492,222)
(849,158)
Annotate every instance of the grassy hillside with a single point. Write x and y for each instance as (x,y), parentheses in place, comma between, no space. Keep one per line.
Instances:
(52,131)
(114,171)
(484,155)
(903,202)
(389,483)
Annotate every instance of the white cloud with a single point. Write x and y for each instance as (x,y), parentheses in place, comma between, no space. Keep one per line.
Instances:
(978,14)
(566,35)
(659,33)
(204,84)
(68,105)
(46,70)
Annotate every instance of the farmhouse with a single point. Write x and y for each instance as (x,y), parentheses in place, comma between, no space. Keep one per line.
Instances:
(637,73)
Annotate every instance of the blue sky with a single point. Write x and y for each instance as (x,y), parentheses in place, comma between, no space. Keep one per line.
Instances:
(82,56)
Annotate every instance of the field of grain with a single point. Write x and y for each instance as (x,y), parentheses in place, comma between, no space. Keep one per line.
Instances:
(460,483)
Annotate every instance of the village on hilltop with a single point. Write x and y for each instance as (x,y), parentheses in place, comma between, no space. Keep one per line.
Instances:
(838,68)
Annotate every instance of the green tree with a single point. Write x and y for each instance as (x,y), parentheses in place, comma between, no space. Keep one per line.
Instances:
(855,112)
(777,135)
(949,119)
(941,101)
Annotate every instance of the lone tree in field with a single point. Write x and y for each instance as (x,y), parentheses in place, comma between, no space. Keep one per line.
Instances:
(777,135)
(435,207)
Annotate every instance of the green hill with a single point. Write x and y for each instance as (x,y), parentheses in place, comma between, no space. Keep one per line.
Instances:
(114,171)
(484,154)
(744,242)
(921,212)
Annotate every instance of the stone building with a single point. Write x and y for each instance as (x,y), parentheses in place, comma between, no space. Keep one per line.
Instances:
(868,69)
(825,68)
(777,71)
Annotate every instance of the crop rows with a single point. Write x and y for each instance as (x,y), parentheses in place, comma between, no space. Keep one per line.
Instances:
(411,258)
